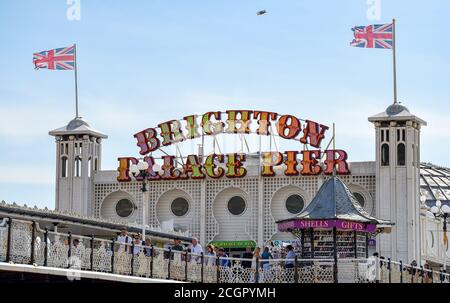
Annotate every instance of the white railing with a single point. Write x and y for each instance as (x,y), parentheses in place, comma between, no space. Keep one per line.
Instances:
(23,242)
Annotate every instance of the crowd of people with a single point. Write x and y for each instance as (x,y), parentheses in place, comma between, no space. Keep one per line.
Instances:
(212,255)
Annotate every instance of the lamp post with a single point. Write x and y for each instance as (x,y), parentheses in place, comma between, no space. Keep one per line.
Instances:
(140,172)
(442,211)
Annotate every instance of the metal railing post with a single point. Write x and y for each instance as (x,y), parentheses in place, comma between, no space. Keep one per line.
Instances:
(46,246)
(389,267)
(92,253)
(401,272)
(257,270)
(168,264)
(202,258)
(69,252)
(151,261)
(8,241)
(335,255)
(217,269)
(186,266)
(367,245)
(33,240)
(295,270)
(112,256)
(421,273)
(132,259)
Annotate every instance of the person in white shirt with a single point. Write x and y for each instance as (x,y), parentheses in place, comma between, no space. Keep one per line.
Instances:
(123,239)
(137,244)
(197,249)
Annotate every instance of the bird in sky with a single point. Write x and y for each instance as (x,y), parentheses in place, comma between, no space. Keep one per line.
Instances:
(262,12)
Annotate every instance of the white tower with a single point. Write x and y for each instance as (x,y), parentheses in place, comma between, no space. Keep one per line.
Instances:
(397,181)
(78,156)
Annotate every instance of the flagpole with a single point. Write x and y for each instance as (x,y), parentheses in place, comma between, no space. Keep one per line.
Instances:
(394,61)
(76,81)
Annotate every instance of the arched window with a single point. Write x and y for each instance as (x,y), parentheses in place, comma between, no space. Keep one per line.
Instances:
(89,167)
(64,167)
(401,154)
(385,155)
(77,167)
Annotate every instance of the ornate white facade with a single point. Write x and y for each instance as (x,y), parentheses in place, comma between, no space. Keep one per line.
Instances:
(388,188)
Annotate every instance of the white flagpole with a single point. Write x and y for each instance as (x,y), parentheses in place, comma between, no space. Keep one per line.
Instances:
(76,81)
(394,61)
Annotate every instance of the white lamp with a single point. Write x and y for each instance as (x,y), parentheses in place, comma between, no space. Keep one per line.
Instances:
(423,198)
(156,168)
(142,165)
(134,169)
(445,209)
(434,209)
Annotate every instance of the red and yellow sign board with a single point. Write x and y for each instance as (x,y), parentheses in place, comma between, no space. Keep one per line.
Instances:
(289,127)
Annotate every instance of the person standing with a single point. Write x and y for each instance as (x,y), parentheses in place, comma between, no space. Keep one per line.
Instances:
(210,255)
(255,264)
(247,255)
(196,249)
(123,239)
(137,244)
(148,247)
(265,256)
(177,247)
(290,256)
(223,257)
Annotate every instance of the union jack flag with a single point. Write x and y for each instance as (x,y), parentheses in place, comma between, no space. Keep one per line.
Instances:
(59,59)
(373,36)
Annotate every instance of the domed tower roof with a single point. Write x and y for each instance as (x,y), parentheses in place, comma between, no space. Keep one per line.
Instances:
(396,112)
(77,126)
(434,184)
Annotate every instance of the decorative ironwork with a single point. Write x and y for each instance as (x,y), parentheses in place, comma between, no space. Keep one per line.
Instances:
(52,249)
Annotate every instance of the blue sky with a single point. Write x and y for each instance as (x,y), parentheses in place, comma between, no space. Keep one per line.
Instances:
(145,62)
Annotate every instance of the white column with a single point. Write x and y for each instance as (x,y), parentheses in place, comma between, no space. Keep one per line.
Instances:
(203,213)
